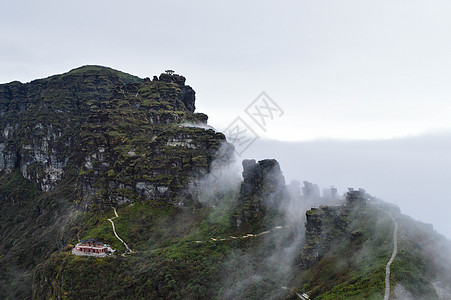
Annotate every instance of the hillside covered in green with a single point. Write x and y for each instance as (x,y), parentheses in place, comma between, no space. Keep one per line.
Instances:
(77,148)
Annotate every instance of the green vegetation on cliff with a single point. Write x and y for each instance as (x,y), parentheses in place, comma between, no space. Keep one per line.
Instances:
(75,145)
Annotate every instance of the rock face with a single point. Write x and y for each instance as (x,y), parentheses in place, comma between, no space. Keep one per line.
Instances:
(263,188)
(40,120)
(356,197)
(187,94)
(96,137)
(323,225)
(311,191)
(326,224)
(118,134)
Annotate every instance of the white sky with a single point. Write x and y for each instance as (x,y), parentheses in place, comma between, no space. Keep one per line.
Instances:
(342,69)
(413,173)
(348,69)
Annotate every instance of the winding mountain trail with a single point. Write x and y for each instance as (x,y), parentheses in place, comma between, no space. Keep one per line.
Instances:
(115,233)
(249,235)
(395,251)
(304,296)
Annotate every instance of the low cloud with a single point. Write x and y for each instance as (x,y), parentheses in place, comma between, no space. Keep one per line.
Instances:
(411,172)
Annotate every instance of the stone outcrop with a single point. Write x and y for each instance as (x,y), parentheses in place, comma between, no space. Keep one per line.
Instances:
(187,94)
(119,135)
(294,190)
(356,197)
(326,224)
(323,225)
(311,191)
(263,188)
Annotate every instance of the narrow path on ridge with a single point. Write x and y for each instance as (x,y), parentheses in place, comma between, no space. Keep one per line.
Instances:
(304,296)
(249,235)
(395,251)
(115,233)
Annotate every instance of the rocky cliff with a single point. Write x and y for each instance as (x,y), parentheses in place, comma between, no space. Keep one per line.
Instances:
(84,148)
(262,190)
(347,247)
(122,134)
(326,224)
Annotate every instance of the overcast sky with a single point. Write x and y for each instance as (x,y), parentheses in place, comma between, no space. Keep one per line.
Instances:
(413,173)
(349,70)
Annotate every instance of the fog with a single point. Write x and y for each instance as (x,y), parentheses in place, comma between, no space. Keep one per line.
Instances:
(268,262)
(413,173)
(354,69)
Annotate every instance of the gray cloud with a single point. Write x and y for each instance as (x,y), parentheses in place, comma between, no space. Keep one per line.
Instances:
(354,69)
(413,173)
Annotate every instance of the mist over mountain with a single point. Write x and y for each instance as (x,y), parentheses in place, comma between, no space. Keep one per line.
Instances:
(412,172)
(113,187)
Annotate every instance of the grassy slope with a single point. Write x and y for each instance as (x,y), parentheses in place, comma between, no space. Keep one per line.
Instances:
(136,121)
(168,263)
(32,226)
(354,268)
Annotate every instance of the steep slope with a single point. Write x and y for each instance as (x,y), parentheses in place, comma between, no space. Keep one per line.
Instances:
(86,140)
(121,133)
(33,224)
(195,253)
(348,247)
(95,146)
